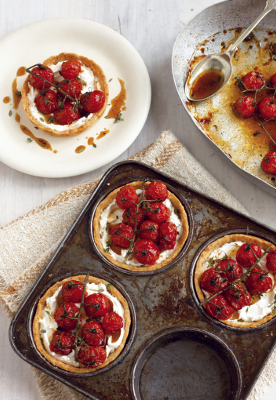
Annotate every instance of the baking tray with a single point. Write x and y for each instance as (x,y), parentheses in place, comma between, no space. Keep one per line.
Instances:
(211,31)
(161,302)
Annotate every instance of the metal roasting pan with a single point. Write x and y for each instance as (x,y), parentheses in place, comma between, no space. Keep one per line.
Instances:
(217,23)
(173,345)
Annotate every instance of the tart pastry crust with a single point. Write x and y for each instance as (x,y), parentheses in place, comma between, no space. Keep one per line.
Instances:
(71,131)
(41,305)
(200,269)
(109,199)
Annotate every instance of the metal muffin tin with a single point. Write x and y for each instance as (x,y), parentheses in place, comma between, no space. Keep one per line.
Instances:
(168,317)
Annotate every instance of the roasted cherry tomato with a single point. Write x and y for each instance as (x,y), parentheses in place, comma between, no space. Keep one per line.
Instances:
(269,163)
(158,212)
(127,197)
(273,81)
(271,260)
(121,235)
(70,86)
(72,291)
(245,106)
(253,80)
(93,333)
(46,103)
(230,269)
(44,72)
(66,114)
(267,107)
(92,102)
(149,230)
(248,254)
(66,316)
(129,217)
(157,191)
(62,343)
(258,281)
(96,305)
(112,322)
(168,234)
(237,298)
(212,281)
(70,69)
(92,356)
(219,308)
(146,252)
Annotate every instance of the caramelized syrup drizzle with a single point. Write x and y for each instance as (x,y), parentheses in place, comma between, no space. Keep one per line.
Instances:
(6,99)
(80,149)
(41,142)
(118,102)
(102,134)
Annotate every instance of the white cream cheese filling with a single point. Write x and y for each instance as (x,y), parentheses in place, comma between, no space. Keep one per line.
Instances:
(48,324)
(112,213)
(91,83)
(262,307)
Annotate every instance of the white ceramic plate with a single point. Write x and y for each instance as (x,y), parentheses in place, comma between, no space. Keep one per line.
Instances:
(118,58)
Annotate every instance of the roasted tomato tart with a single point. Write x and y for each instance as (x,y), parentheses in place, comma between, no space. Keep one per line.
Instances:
(65,95)
(81,326)
(140,226)
(235,279)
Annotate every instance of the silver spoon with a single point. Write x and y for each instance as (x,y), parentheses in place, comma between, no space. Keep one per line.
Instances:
(221,62)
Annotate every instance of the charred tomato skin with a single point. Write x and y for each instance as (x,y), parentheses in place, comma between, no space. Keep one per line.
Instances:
(121,235)
(70,86)
(267,107)
(149,230)
(92,356)
(46,103)
(112,322)
(62,342)
(211,281)
(269,163)
(219,308)
(258,282)
(67,115)
(72,291)
(247,253)
(93,102)
(245,106)
(238,299)
(157,191)
(273,81)
(271,260)
(68,323)
(254,80)
(126,196)
(158,212)
(129,217)
(146,252)
(93,333)
(230,269)
(96,305)
(70,69)
(45,73)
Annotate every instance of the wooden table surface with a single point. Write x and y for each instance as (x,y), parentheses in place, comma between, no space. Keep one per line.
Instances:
(152,27)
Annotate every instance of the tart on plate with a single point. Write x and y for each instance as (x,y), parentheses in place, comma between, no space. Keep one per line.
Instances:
(140,226)
(237,273)
(74,96)
(80,332)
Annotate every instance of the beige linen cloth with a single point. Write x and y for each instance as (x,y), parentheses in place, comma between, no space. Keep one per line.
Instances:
(38,233)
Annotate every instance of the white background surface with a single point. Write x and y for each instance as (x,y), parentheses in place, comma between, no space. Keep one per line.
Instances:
(152,27)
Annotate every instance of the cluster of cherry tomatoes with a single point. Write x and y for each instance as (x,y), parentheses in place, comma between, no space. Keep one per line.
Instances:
(246,106)
(50,101)
(148,221)
(213,280)
(101,322)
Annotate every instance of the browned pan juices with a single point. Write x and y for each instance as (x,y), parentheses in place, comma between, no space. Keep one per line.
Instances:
(41,142)
(162,300)
(118,102)
(206,84)
(6,99)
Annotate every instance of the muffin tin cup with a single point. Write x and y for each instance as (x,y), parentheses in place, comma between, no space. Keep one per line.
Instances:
(180,255)
(129,341)
(159,300)
(168,359)
(200,308)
